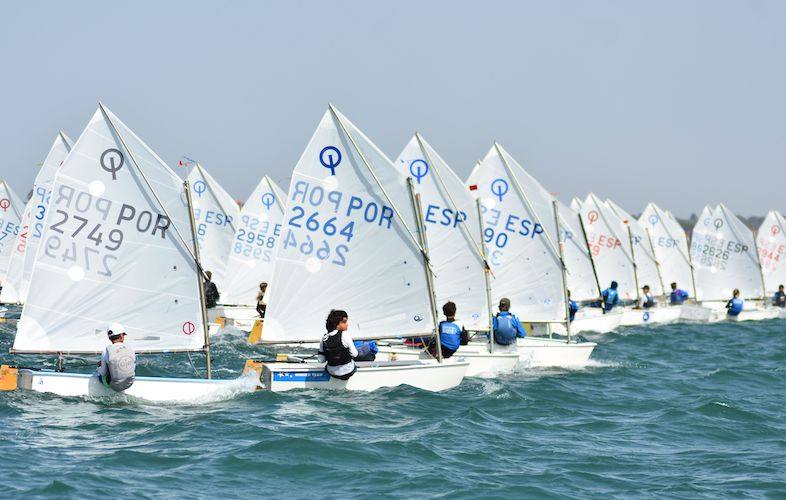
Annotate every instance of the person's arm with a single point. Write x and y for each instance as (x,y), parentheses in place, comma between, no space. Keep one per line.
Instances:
(494,324)
(104,363)
(520,331)
(321,357)
(346,339)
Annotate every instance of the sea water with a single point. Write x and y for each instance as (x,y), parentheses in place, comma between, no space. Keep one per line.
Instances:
(683,410)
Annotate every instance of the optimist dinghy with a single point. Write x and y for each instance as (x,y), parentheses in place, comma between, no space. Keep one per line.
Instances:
(525,250)
(350,240)
(118,247)
(451,224)
(771,243)
(724,255)
(20,265)
(251,256)
(10,225)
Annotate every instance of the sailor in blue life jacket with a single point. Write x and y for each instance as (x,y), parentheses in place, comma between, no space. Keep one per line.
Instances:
(367,350)
(779,299)
(117,368)
(677,297)
(647,300)
(451,333)
(337,348)
(573,307)
(506,326)
(735,304)
(611,296)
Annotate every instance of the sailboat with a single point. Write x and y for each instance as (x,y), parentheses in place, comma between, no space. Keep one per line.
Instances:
(647,272)
(771,243)
(11,209)
(351,240)
(118,247)
(670,244)
(724,256)
(215,215)
(452,229)
(582,278)
(525,252)
(252,254)
(20,265)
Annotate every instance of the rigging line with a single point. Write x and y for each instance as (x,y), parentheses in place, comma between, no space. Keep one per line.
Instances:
(475,246)
(149,186)
(379,184)
(552,248)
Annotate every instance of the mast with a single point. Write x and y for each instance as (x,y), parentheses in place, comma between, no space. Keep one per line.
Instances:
(563,268)
(592,261)
(486,272)
(429,275)
(761,269)
(199,280)
(657,263)
(633,261)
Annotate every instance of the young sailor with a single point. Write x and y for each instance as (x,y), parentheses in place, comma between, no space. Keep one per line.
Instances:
(573,306)
(211,291)
(611,296)
(735,304)
(647,300)
(779,299)
(117,368)
(337,348)
(506,326)
(367,351)
(261,306)
(677,297)
(450,332)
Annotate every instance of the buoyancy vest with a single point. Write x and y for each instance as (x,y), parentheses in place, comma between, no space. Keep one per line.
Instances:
(121,368)
(648,301)
(335,352)
(611,297)
(505,333)
(449,335)
(735,306)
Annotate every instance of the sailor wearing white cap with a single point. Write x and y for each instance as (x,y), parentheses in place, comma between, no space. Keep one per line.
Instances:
(117,367)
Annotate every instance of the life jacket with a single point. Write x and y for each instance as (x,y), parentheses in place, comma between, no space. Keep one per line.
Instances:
(678,296)
(449,335)
(648,301)
(121,367)
(574,308)
(611,297)
(335,352)
(734,306)
(505,332)
(779,299)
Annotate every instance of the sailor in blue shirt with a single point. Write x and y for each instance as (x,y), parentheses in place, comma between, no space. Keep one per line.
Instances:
(779,299)
(610,296)
(677,297)
(450,332)
(735,304)
(506,326)
(573,307)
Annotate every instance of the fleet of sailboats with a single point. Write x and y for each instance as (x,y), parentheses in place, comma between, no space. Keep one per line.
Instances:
(112,236)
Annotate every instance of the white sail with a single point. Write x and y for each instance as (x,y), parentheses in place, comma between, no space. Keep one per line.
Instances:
(575,205)
(11,210)
(643,253)
(771,243)
(116,248)
(520,237)
(724,256)
(670,245)
(581,277)
(348,242)
(23,255)
(608,240)
(453,231)
(216,215)
(253,249)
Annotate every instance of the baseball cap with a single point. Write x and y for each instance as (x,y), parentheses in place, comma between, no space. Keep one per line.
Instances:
(504,302)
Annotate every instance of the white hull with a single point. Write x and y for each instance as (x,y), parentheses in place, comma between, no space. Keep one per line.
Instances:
(653,315)
(535,352)
(156,389)
(481,362)
(702,314)
(241,317)
(591,320)
(372,375)
(782,314)
(756,315)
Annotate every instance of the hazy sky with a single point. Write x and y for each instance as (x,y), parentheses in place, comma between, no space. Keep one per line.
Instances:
(679,102)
